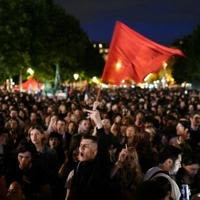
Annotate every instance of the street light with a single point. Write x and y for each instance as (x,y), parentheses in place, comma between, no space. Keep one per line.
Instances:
(76,76)
(30,71)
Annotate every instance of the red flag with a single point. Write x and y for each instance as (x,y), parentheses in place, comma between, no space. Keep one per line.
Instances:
(132,56)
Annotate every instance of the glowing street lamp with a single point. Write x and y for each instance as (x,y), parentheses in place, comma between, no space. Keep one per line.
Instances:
(30,71)
(76,76)
(95,80)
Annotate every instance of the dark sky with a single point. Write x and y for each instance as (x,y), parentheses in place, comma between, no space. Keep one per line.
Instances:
(160,20)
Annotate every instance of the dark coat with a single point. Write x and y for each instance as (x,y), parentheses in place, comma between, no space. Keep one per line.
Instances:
(91,178)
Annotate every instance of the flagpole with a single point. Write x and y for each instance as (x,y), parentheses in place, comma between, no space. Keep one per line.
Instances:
(96,103)
(98,93)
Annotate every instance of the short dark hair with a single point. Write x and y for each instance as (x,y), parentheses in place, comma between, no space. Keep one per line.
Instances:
(25,146)
(90,137)
(60,119)
(169,152)
(185,123)
(55,135)
(189,159)
(154,189)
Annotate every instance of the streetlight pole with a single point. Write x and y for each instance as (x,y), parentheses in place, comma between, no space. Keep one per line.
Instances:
(20,80)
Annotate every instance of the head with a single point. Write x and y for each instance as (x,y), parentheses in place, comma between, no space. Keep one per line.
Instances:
(15,191)
(84,126)
(72,128)
(88,148)
(191,165)
(62,109)
(139,118)
(36,135)
(25,154)
(130,131)
(61,126)
(132,160)
(115,108)
(182,129)
(33,117)
(117,119)
(13,114)
(170,159)
(22,114)
(49,110)
(55,140)
(13,124)
(106,124)
(158,188)
(195,119)
(78,114)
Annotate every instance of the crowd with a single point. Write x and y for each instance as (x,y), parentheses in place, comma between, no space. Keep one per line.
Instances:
(130,144)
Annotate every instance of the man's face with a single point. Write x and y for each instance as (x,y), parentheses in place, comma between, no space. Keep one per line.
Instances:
(130,132)
(182,131)
(106,124)
(33,117)
(24,159)
(60,126)
(176,165)
(84,126)
(192,169)
(87,150)
(195,120)
(13,124)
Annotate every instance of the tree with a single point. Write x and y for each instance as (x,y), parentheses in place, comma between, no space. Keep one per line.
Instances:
(188,68)
(39,34)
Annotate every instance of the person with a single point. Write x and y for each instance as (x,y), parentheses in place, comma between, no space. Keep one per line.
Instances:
(195,131)
(3,189)
(127,173)
(15,192)
(84,127)
(158,188)
(181,140)
(169,163)
(48,156)
(90,178)
(29,174)
(61,130)
(189,174)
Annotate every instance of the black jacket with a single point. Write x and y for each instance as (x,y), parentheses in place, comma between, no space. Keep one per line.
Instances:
(91,178)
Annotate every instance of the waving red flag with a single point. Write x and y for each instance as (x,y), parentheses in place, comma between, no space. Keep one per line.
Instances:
(132,56)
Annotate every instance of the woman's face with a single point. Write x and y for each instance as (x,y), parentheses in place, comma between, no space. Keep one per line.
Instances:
(36,136)
(54,142)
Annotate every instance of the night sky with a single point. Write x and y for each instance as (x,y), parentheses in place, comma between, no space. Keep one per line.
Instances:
(160,20)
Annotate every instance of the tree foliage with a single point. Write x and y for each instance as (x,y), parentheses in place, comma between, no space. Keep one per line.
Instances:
(188,68)
(39,34)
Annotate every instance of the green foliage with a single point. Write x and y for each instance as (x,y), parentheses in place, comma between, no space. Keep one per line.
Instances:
(188,68)
(39,34)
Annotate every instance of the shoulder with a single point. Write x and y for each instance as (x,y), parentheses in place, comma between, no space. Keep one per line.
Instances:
(150,172)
